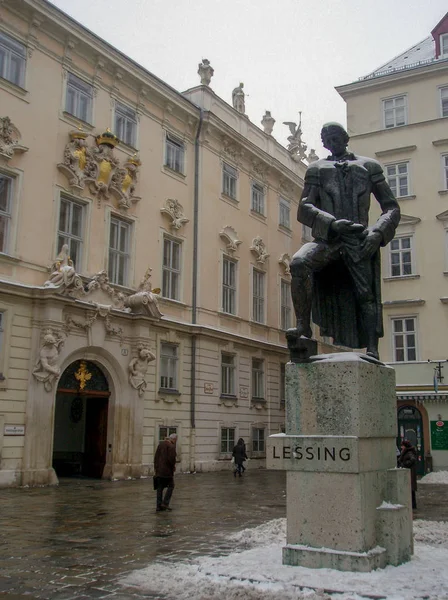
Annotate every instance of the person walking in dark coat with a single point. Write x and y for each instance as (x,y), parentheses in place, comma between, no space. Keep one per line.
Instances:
(164,467)
(408,460)
(239,454)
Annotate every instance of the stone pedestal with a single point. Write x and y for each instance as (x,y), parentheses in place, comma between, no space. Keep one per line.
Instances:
(348,507)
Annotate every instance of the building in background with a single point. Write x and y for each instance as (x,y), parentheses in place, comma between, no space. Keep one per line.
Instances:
(399,113)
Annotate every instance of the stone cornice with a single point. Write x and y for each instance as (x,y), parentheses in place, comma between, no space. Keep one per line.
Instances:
(402,149)
(393,130)
(402,303)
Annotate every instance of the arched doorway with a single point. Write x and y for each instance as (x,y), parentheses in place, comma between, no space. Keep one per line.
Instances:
(410,426)
(80,424)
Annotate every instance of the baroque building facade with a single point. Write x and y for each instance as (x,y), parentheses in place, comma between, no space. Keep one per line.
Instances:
(399,113)
(144,262)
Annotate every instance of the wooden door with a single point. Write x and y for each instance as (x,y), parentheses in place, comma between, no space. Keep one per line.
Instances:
(95,445)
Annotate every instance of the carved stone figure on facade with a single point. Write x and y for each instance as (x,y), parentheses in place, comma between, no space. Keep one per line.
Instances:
(47,369)
(175,211)
(268,122)
(9,139)
(100,281)
(312,156)
(63,274)
(102,164)
(238,99)
(259,249)
(138,368)
(76,153)
(145,300)
(337,276)
(205,71)
(296,146)
(124,181)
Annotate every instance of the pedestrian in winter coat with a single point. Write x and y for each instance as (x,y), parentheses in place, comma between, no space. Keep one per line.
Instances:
(239,454)
(408,460)
(164,467)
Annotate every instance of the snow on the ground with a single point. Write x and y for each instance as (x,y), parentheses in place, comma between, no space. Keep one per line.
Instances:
(255,571)
(435,477)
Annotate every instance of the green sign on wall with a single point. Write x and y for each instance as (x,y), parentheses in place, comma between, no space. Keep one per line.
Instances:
(439,435)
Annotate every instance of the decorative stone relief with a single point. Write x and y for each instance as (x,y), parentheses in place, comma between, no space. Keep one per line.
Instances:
(75,158)
(205,71)
(285,261)
(268,122)
(102,165)
(286,186)
(232,149)
(124,182)
(238,99)
(47,369)
(138,368)
(260,169)
(102,311)
(145,300)
(175,211)
(296,146)
(312,156)
(258,248)
(63,274)
(9,139)
(230,236)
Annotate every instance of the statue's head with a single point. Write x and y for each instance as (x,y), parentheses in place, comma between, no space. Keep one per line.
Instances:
(49,339)
(334,138)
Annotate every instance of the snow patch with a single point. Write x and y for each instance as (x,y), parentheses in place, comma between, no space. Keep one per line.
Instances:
(435,477)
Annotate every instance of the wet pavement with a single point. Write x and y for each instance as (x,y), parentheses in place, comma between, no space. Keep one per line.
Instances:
(77,540)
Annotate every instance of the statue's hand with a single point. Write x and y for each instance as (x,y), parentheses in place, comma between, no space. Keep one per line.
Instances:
(342,226)
(371,243)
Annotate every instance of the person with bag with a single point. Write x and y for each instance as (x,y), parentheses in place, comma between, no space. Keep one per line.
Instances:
(408,460)
(164,467)
(239,456)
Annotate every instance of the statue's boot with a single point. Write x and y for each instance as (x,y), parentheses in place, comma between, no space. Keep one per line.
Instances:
(301,299)
(368,311)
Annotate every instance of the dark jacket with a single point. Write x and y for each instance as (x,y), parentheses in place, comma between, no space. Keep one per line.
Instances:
(239,453)
(165,459)
(408,460)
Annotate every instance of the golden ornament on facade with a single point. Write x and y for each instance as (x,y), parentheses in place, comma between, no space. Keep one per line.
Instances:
(83,375)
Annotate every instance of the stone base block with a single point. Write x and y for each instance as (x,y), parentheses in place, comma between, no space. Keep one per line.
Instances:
(38,477)
(395,532)
(325,558)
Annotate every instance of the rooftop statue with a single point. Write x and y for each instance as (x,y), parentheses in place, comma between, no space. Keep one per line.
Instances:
(238,99)
(337,276)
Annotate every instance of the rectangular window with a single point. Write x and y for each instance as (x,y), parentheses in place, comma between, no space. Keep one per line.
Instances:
(395,112)
(6,191)
(257,198)
(401,257)
(282,384)
(171,269)
(174,154)
(405,339)
(229,178)
(258,378)
(398,178)
(258,440)
(285,305)
(227,440)
(229,286)
(126,124)
(445,171)
(228,374)
(79,98)
(285,212)
(165,432)
(258,296)
(168,366)
(71,229)
(444,44)
(119,251)
(12,60)
(444,101)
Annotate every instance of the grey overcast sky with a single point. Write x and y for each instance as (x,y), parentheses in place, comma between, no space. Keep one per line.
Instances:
(290,53)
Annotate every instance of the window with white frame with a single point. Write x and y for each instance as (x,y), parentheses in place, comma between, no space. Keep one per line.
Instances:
(228,370)
(401,256)
(258,378)
(257,198)
(229,179)
(258,439)
(444,44)
(258,292)
(165,431)
(395,111)
(174,153)
(398,178)
(227,439)
(71,229)
(444,101)
(126,124)
(282,384)
(445,171)
(168,366)
(171,268)
(229,267)
(119,251)
(79,98)
(404,339)
(284,218)
(285,305)
(6,195)
(12,60)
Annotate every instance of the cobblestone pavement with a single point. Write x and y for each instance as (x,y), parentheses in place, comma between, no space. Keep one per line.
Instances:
(77,540)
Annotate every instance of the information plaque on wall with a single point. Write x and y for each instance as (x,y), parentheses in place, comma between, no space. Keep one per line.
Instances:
(439,435)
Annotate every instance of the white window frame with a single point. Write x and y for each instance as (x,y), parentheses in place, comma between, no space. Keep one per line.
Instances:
(171,273)
(169,429)
(12,50)
(229,288)
(229,181)
(284,213)
(228,374)
(257,440)
(257,198)
(258,300)
(406,347)
(115,254)
(443,45)
(80,90)
(174,153)
(258,379)
(394,110)
(402,254)
(227,440)
(445,171)
(395,179)
(128,117)
(69,238)
(285,304)
(443,101)
(169,367)
(7,215)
